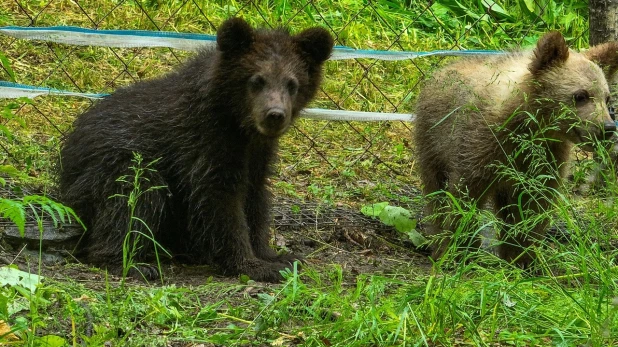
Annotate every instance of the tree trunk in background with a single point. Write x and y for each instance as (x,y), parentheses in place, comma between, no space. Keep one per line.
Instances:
(603,24)
(603,21)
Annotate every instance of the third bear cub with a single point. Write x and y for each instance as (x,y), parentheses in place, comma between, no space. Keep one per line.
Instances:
(471,112)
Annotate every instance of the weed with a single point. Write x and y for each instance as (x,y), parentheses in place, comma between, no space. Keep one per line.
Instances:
(132,242)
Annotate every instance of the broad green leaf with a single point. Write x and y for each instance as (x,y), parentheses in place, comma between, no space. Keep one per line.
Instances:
(50,341)
(527,7)
(403,222)
(416,238)
(19,303)
(12,277)
(9,170)
(396,216)
(530,4)
(494,8)
(439,10)
(374,210)
(459,9)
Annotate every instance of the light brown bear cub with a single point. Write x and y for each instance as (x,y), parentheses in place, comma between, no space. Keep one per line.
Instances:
(468,112)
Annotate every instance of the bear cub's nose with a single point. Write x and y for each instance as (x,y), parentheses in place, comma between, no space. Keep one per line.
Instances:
(275,115)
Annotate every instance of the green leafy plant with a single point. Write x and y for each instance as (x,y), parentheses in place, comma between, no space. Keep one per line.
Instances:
(398,217)
(15,211)
(40,206)
(132,241)
(491,23)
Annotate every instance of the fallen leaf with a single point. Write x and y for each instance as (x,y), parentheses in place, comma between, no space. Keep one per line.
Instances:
(5,332)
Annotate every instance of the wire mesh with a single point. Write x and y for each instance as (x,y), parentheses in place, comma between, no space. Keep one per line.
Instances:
(331,162)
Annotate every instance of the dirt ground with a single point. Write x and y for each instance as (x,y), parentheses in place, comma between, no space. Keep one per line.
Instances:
(360,245)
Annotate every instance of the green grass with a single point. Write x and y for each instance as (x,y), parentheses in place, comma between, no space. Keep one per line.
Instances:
(489,305)
(331,152)
(571,302)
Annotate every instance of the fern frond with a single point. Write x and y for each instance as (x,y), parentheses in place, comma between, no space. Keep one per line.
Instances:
(14,211)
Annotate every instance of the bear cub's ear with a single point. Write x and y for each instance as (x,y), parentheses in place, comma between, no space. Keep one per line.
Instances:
(606,56)
(315,43)
(234,36)
(551,50)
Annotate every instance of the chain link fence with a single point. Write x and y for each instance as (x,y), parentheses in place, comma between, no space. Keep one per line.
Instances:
(335,162)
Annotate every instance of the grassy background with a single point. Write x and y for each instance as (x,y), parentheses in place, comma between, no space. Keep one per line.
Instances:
(353,161)
(571,302)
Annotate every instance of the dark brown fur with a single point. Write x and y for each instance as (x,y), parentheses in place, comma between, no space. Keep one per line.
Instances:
(459,137)
(214,123)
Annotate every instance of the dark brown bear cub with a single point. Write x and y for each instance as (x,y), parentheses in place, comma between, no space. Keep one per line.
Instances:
(213,125)
(471,112)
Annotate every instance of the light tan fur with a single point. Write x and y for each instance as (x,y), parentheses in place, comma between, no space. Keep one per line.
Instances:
(458,134)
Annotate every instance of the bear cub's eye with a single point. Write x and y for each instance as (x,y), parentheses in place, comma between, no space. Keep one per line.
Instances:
(257,82)
(292,86)
(581,96)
